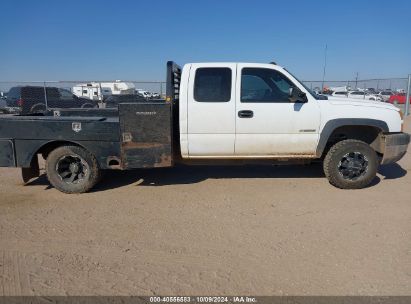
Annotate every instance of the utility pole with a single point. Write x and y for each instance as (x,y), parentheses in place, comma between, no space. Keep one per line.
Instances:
(325,65)
(356,80)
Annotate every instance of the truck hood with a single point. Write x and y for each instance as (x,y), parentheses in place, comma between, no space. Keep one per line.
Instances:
(361,103)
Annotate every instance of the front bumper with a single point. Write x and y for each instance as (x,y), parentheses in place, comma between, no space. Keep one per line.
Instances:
(395,146)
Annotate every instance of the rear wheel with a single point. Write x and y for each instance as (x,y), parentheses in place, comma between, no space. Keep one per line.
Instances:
(351,164)
(72,169)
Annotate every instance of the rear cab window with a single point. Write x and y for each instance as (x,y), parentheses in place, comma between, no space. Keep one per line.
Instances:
(212,85)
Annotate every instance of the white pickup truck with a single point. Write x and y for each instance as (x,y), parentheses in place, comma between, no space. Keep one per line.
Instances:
(214,113)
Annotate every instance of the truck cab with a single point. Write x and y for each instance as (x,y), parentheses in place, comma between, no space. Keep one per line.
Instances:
(253,110)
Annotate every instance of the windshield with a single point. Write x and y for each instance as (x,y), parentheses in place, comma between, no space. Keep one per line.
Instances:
(313,94)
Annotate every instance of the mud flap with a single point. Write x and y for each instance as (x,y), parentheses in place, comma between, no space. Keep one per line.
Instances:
(31,172)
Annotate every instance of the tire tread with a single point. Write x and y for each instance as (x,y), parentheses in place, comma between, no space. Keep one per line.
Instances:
(95,173)
(332,174)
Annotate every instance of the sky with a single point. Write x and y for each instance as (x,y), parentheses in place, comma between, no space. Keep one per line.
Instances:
(132,40)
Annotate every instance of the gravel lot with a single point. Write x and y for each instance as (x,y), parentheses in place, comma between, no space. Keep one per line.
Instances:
(208,230)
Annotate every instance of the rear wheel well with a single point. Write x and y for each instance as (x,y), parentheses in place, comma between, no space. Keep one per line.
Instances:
(50,146)
(367,134)
(31,171)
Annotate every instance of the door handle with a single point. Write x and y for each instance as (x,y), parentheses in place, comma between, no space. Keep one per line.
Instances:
(245,114)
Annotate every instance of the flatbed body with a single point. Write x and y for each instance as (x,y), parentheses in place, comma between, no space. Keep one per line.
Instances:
(132,137)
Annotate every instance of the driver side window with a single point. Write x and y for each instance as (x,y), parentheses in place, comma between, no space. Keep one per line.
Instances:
(264,85)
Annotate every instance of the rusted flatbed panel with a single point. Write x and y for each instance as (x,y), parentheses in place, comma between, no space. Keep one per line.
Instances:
(146,136)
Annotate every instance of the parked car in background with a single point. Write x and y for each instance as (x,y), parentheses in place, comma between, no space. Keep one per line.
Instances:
(31,99)
(339,89)
(398,98)
(340,94)
(113,100)
(143,93)
(363,95)
(385,95)
(357,95)
(155,95)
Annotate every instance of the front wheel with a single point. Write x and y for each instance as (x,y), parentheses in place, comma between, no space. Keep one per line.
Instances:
(351,164)
(72,169)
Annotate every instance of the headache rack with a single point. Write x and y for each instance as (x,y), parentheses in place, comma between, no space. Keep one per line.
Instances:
(173,82)
(173,97)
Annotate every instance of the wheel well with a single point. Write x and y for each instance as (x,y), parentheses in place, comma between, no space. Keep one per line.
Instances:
(368,134)
(50,146)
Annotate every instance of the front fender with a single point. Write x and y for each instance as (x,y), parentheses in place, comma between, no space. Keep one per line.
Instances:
(333,124)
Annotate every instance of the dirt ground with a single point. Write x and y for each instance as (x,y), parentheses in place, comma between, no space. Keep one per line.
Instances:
(208,230)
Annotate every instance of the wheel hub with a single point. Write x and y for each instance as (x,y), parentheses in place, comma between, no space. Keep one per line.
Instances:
(72,169)
(353,165)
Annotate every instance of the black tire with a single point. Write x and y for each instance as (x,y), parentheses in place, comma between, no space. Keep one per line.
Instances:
(351,164)
(72,169)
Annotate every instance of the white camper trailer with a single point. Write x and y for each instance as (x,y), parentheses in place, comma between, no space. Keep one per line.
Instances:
(88,90)
(97,90)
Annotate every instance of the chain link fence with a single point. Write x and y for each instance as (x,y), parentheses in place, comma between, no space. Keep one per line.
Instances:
(376,85)
(392,90)
(37,96)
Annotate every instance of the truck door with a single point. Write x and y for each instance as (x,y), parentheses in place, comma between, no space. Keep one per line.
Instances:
(267,123)
(211,110)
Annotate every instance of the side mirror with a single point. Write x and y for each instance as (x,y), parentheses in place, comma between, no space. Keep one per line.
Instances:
(296,95)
